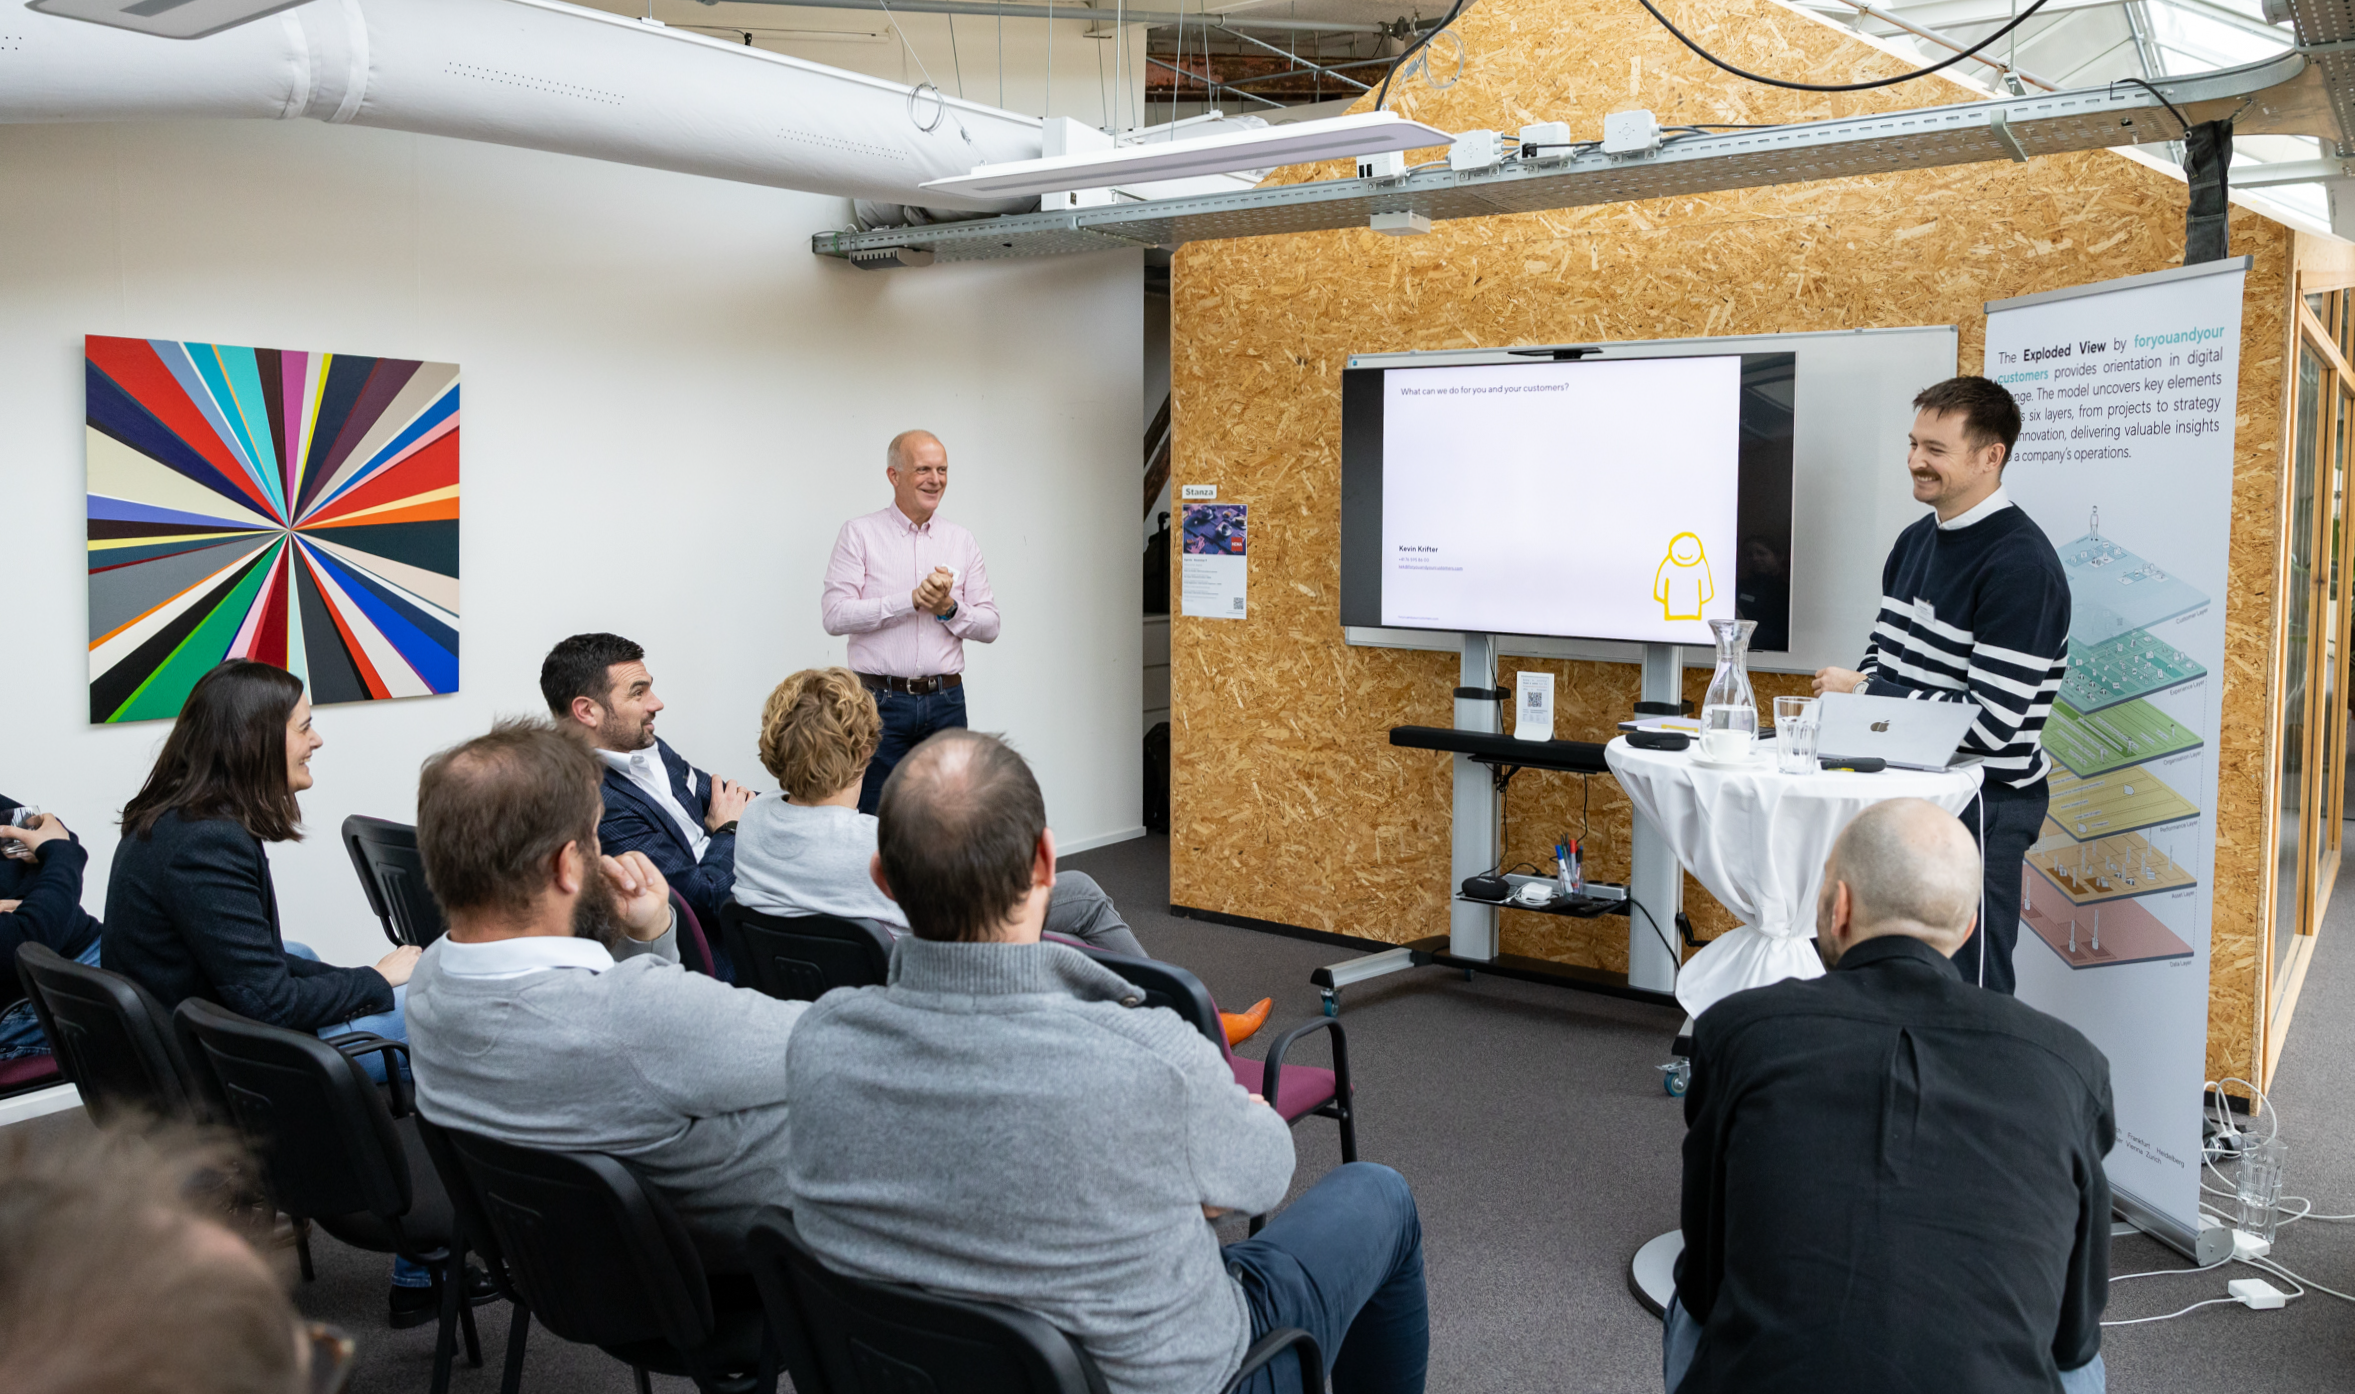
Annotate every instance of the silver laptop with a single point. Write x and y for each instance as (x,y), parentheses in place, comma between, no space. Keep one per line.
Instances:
(1904,734)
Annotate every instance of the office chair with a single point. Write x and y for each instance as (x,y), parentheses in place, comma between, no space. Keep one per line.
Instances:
(581,1242)
(393,876)
(694,947)
(1296,1090)
(866,1337)
(112,1040)
(798,958)
(331,1149)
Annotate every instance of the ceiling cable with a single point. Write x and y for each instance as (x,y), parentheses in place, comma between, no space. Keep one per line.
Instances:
(1970,52)
(917,90)
(1382,102)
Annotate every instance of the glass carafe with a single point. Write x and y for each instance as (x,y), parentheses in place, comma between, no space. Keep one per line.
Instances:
(1729,712)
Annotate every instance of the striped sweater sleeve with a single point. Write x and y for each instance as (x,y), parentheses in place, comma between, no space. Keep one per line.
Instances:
(1997,637)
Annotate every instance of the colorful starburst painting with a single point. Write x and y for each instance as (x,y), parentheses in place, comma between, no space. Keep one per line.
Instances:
(296,508)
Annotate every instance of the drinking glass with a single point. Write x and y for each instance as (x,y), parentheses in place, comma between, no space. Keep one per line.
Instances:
(1794,734)
(2260,1188)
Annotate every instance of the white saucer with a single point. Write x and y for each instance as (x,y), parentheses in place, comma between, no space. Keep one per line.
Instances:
(1755,762)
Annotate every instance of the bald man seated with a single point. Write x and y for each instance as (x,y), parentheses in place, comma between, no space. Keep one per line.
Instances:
(1892,1180)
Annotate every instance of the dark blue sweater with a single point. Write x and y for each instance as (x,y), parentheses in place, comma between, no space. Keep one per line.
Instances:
(1977,614)
(49,888)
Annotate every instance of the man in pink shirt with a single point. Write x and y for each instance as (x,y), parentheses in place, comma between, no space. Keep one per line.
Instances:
(909,590)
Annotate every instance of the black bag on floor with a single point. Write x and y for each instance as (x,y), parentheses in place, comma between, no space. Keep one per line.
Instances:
(1157,778)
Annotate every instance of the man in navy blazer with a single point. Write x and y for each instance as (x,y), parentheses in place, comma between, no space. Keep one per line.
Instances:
(683,819)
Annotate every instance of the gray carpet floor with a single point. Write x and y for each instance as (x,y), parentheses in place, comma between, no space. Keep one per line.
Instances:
(1543,1151)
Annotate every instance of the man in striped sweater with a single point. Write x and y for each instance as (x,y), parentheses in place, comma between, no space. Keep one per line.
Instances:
(1975,608)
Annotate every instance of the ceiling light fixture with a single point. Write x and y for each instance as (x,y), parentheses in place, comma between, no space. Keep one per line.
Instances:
(1299,142)
(165,19)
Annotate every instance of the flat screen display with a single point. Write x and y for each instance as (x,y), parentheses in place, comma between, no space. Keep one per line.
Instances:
(1631,499)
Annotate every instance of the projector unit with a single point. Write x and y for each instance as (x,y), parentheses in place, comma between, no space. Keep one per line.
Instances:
(1058,136)
(165,19)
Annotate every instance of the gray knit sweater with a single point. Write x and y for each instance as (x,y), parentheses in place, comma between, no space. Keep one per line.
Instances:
(681,1075)
(999,1123)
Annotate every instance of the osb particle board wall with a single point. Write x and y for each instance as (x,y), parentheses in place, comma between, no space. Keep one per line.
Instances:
(1288,802)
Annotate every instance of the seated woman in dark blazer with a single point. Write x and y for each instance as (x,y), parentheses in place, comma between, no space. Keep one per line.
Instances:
(190,909)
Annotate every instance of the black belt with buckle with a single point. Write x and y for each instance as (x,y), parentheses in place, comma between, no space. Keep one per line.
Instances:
(914,687)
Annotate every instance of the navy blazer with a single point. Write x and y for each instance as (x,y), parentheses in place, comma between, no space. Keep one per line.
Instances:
(191,912)
(633,822)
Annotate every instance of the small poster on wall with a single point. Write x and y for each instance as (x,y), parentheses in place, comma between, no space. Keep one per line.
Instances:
(293,507)
(1216,563)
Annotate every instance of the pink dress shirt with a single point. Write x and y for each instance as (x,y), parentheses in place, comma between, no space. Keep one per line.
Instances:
(878,560)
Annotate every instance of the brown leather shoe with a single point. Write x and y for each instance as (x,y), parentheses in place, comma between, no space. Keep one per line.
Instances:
(1241,1026)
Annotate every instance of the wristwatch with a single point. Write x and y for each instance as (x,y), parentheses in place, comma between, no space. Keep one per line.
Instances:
(952,613)
(727,827)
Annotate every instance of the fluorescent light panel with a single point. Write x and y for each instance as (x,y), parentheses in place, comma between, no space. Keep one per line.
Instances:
(1300,142)
(165,19)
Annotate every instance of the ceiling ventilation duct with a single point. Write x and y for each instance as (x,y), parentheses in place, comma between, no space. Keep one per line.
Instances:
(536,74)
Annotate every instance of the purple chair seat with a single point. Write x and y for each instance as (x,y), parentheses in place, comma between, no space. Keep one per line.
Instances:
(27,1073)
(1300,1089)
(694,949)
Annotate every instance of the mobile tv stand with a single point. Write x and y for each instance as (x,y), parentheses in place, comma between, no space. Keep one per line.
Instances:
(1485,762)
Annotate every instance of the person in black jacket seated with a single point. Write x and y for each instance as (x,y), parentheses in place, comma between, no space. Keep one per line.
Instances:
(190,909)
(40,903)
(1892,1179)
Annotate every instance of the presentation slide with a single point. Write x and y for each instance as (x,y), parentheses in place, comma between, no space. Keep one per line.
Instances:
(1591,500)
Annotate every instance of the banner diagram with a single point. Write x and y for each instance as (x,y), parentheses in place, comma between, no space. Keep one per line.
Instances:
(2127,392)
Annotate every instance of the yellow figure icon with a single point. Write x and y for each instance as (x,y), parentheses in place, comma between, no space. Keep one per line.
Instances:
(1682,584)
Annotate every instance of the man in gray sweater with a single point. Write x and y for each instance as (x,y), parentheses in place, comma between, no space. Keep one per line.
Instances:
(554,1014)
(1004,1121)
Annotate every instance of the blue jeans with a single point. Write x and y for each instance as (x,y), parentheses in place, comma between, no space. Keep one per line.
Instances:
(1680,1339)
(20,1029)
(392,1025)
(1345,1264)
(907,720)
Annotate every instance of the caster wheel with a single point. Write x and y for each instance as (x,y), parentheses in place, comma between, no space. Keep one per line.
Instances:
(1676,1078)
(1332,1005)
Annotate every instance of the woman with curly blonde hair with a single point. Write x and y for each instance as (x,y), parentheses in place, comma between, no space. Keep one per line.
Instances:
(807,851)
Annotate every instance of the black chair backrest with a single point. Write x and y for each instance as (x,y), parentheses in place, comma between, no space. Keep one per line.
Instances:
(884,1338)
(800,957)
(112,1039)
(325,1138)
(597,1255)
(1167,985)
(393,874)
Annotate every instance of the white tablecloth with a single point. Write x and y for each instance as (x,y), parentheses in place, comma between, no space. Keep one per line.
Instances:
(1757,839)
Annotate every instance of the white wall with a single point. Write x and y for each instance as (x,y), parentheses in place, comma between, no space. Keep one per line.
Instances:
(670,405)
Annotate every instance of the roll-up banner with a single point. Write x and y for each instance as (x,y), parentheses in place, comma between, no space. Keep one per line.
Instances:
(2127,392)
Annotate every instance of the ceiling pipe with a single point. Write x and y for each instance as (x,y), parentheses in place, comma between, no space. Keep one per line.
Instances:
(532,73)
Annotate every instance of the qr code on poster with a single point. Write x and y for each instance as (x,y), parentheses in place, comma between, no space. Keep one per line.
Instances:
(1238,605)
